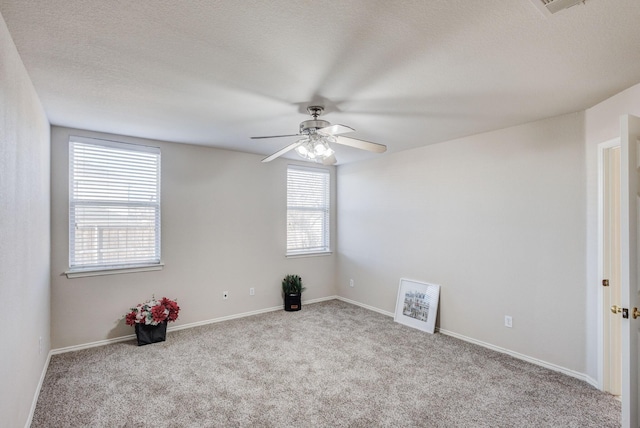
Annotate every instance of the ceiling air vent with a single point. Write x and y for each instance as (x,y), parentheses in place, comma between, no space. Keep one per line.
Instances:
(549,7)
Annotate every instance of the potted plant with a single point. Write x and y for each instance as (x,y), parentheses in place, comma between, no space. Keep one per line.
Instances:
(292,291)
(150,319)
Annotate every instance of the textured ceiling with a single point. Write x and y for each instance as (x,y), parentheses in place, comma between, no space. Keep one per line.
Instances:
(402,73)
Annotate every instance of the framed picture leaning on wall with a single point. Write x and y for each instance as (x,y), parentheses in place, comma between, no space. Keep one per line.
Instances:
(417,304)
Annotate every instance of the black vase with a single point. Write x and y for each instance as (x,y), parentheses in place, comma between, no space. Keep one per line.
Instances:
(292,302)
(147,334)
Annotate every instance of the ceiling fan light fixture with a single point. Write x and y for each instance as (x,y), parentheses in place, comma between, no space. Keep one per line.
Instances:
(306,150)
(317,137)
(322,149)
(315,147)
(303,149)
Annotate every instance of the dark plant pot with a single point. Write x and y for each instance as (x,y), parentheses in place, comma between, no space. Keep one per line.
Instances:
(147,334)
(292,302)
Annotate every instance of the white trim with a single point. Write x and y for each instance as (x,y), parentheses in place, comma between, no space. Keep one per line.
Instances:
(183,326)
(591,381)
(602,147)
(243,315)
(36,395)
(92,344)
(536,361)
(305,167)
(362,305)
(514,354)
(115,143)
(81,273)
(309,254)
(554,367)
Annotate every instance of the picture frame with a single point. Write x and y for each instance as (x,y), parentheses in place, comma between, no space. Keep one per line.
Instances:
(417,304)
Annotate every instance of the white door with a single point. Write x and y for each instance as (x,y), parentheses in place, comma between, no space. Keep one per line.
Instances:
(630,298)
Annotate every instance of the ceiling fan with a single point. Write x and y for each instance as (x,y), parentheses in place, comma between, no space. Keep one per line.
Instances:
(317,135)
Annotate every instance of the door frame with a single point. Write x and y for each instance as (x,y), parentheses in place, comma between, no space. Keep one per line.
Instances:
(629,266)
(602,148)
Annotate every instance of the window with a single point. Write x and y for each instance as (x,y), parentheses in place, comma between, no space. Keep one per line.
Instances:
(308,209)
(114,205)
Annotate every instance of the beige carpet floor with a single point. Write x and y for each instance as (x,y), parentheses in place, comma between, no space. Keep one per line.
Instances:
(331,364)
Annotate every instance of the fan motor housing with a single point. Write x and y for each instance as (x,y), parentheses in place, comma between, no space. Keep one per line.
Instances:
(310,126)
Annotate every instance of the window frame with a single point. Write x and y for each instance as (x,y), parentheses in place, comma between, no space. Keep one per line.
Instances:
(325,209)
(121,266)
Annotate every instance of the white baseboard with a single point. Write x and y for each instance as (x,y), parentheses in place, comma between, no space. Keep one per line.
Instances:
(243,315)
(514,354)
(593,382)
(532,360)
(133,336)
(362,305)
(182,326)
(37,393)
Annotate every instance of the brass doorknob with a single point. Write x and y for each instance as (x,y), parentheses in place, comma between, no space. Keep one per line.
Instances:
(636,313)
(616,309)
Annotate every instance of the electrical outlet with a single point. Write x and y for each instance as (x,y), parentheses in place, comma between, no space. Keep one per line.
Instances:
(252,291)
(351,283)
(225,295)
(508,321)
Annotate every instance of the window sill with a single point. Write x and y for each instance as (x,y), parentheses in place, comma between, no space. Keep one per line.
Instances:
(299,255)
(81,273)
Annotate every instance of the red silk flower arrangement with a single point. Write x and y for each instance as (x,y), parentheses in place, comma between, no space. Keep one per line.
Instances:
(153,312)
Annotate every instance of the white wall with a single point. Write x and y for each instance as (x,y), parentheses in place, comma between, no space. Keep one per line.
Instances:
(24,236)
(602,123)
(223,229)
(497,219)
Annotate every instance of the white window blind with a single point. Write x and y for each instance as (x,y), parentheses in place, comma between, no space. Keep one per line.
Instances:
(308,209)
(114,205)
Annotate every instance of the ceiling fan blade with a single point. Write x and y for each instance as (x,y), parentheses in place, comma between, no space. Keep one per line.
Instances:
(361,144)
(336,129)
(277,136)
(331,160)
(282,151)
